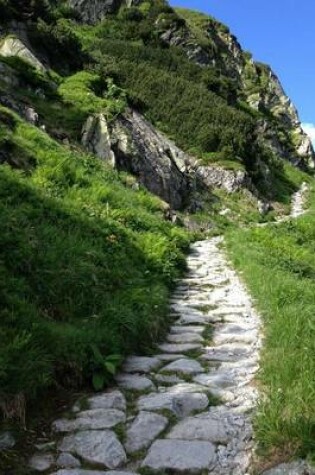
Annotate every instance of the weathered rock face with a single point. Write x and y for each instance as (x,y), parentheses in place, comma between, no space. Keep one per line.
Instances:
(132,144)
(259,85)
(15,47)
(93,11)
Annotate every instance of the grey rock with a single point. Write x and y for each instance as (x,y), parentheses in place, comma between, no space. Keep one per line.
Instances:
(185,338)
(178,329)
(67,461)
(93,12)
(295,468)
(179,347)
(218,177)
(141,364)
(91,419)
(180,456)
(96,138)
(134,382)
(41,462)
(184,366)
(111,400)
(168,379)
(180,404)
(15,47)
(145,428)
(203,427)
(79,471)
(96,447)
(169,357)
(7,441)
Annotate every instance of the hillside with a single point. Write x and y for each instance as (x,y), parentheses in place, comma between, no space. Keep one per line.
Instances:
(128,129)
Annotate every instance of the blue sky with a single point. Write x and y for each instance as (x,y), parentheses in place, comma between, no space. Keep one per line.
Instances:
(277,32)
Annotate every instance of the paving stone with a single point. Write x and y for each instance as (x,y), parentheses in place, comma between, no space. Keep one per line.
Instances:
(111,400)
(78,471)
(91,419)
(179,348)
(178,329)
(67,461)
(180,456)
(181,404)
(220,380)
(141,364)
(184,366)
(185,338)
(202,427)
(41,462)
(169,357)
(146,427)
(96,447)
(295,468)
(134,382)
(192,319)
(182,388)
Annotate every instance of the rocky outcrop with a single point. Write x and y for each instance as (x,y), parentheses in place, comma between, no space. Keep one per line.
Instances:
(229,180)
(11,46)
(132,144)
(93,11)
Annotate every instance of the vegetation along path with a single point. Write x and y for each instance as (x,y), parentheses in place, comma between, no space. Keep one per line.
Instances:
(185,409)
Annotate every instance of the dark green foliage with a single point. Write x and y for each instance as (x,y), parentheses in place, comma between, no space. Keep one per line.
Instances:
(25,10)
(58,41)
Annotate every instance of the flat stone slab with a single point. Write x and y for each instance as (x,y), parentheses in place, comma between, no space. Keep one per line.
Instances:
(134,382)
(178,329)
(91,419)
(184,366)
(184,388)
(41,462)
(141,364)
(192,319)
(146,427)
(169,357)
(180,404)
(202,427)
(79,471)
(111,400)
(295,468)
(96,447)
(178,347)
(184,338)
(218,380)
(180,456)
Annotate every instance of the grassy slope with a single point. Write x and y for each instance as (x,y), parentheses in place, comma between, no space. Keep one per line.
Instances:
(84,260)
(278,265)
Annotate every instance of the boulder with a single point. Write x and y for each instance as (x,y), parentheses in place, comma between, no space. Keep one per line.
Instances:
(15,47)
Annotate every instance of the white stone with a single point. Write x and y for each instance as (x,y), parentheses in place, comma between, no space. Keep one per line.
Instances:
(180,456)
(185,338)
(178,329)
(145,428)
(96,447)
(179,348)
(181,404)
(41,462)
(201,427)
(91,419)
(134,382)
(295,468)
(14,47)
(184,366)
(141,364)
(111,400)
(169,357)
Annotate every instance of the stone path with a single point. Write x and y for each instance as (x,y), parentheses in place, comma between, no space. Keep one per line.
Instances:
(187,409)
(298,200)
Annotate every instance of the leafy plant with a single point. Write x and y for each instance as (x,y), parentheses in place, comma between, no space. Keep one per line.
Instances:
(104,368)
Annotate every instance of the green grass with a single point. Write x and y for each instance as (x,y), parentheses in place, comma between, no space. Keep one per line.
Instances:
(84,260)
(278,265)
